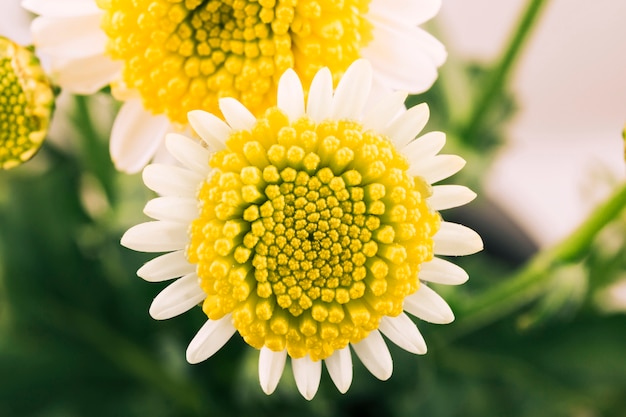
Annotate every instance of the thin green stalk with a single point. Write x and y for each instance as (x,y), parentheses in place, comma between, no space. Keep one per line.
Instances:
(499,74)
(95,151)
(527,284)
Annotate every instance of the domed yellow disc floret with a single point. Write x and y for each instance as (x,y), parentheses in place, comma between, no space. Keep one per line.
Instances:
(309,234)
(26,104)
(185,54)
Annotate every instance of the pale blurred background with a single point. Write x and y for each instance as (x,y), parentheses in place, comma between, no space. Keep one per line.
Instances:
(565,149)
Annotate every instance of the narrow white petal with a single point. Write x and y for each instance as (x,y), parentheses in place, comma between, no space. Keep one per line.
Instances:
(70,37)
(135,136)
(339,366)
(290,97)
(441,271)
(188,152)
(84,75)
(403,332)
(428,306)
(307,374)
(156,237)
(213,130)
(271,366)
(236,114)
(424,147)
(177,298)
(456,240)
(384,111)
(406,127)
(448,196)
(61,8)
(320,95)
(373,352)
(352,91)
(176,209)
(437,168)
(168,266)
(171,180)
(210,338)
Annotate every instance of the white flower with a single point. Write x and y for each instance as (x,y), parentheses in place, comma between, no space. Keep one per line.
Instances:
(164,60)
(308,230)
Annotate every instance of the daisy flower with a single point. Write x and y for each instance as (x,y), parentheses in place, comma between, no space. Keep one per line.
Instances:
(26,104)
(164,58)
(310,231)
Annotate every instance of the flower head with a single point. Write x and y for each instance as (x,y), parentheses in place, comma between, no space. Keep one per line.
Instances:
(307,230)
(26,104)
(168,57)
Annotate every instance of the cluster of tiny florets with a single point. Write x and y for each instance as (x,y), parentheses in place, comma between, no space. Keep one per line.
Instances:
(309,233)
(183,55)
(26,104)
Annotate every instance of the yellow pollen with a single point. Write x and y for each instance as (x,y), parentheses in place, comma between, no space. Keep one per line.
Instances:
(309,257)
(185,55)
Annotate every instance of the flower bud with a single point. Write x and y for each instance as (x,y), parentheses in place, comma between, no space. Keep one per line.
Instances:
(26,104)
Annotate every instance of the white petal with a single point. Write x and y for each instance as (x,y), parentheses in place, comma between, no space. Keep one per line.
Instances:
(176,209)
(236,114)
(424,147)
(339,366)
(320,95)
(213,130)
(441,271)
(156,237)
(61,8)
(136,136)
(413,11)
(171,180)
(437,168)
(271,366)
(188,152)
(401,25)
(307,374)
(449,196)
(456,240)
(352,91)
(177,298)
(375,356)
(290,97)
(428,306)
(71,37)
(168,266)
(406,127)
(403,332)
(384,111)
(210,338)
(86,75)
(397,60)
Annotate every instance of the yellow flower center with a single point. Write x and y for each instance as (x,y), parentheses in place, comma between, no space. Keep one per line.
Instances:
(184,55)
(26,103)
(309,234)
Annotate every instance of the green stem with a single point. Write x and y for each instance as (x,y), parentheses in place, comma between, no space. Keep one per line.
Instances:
(527,284)
(499,74)
(95,149)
